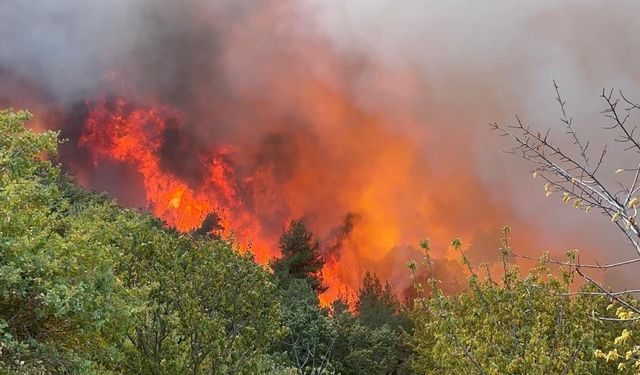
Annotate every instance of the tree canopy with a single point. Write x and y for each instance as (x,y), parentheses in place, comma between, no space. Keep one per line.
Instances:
(301,258)
(90,287)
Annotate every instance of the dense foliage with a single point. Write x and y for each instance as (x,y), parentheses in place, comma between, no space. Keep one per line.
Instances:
(514,325)
(336,341)
(89,287)
(301,258)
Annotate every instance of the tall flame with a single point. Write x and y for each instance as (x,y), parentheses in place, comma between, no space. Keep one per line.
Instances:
(246,112)
(134,136)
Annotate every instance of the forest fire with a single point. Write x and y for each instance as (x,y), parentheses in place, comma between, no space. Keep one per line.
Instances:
(319,187)
(184,122)
(356,186)
(116,131)
(135,137)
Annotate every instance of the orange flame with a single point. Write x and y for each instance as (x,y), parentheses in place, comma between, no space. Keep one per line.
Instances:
(371,171)
(134,136)
(302,137)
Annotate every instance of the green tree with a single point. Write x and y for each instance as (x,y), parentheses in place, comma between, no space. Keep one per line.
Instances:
(362,349)
(593,181)
(213,311)
(311,336)
(207,309)
(377,305)
(515,325)
(89,287)
(61,308)
(301,258)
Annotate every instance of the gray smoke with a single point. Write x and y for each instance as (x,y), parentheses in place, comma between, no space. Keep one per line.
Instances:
(457,65)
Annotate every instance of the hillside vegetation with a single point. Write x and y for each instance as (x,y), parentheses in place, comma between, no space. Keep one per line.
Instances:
(89,287)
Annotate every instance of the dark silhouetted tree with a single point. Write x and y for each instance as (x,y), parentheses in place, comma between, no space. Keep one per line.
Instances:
(211,226)
(377,304)
(301,258)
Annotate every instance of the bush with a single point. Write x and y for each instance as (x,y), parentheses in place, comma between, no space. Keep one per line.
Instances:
(89,287)
(515,325)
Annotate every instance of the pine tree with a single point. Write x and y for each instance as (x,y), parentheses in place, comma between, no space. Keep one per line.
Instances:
(301,258)
(377,304)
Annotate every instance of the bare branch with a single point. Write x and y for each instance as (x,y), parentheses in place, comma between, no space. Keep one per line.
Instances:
(583,293)
(577,179)
(568,122)
(570,264)
(608,293)
(619,122)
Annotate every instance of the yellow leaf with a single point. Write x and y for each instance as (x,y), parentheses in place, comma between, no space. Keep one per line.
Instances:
(612,355)
(621,366)
(622,338)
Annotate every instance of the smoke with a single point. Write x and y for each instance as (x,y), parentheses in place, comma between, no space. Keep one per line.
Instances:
(479,63)
(367,118)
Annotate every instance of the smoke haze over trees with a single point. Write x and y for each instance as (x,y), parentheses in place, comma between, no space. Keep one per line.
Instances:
(360,96)
(248,186)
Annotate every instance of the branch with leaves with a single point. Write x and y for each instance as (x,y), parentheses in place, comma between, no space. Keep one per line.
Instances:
(577,174)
